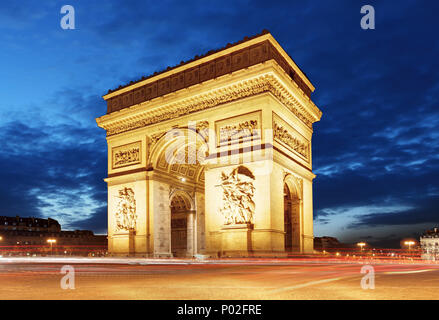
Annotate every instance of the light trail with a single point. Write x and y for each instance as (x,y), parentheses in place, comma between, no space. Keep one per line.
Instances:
(306,284)
(408,272)
(217,262)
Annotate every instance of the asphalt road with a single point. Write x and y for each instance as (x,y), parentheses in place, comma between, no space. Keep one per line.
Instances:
(26,279)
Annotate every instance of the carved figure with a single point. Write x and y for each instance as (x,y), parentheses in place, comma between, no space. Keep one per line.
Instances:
(126,210)
(238,192)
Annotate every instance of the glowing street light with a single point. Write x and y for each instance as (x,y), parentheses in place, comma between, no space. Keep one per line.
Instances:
(51,241)
(409,243)
(361,245)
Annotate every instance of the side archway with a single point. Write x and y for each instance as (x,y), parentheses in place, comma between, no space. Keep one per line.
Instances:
(293,214)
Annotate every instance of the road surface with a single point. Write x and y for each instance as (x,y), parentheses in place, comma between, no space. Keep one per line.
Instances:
(266,279)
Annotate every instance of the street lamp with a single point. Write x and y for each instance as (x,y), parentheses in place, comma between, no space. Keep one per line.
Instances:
(361,245)
(409,244)
(51,241)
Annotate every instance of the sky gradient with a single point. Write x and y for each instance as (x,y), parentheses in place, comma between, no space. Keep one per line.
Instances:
(375,151)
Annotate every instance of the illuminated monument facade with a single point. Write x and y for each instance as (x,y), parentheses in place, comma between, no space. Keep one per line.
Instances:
(213,156)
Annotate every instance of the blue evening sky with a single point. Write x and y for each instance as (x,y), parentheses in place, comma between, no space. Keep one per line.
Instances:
(375,150)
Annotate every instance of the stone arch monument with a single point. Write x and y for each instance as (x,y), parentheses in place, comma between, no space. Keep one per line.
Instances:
(213,156)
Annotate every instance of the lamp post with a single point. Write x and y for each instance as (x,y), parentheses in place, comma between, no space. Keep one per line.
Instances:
(409,243)
(361,245)
(51,241)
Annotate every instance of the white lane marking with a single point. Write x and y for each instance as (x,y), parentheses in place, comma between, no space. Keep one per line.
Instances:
(408,272)
(306,284)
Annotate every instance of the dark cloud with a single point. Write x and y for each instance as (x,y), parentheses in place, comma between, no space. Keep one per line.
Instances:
(44,174)
(425,210)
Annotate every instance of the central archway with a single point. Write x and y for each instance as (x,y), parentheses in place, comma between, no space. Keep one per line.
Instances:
(177,162)
(180,211)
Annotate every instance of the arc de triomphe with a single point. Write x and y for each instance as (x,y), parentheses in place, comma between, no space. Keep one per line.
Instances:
(213,156)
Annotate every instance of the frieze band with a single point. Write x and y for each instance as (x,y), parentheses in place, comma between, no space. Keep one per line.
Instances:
(289,137)
(222,65)
(126,155)
(266,83)
(238,131)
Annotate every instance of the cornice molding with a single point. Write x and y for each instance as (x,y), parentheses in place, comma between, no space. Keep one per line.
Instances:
(275,52)
(267,82)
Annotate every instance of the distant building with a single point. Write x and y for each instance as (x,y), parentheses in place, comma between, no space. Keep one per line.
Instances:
(28,236)
(327,243)
(28,224)
(430,245)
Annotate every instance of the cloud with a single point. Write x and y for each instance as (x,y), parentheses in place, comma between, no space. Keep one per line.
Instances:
(53,170)
(375,149)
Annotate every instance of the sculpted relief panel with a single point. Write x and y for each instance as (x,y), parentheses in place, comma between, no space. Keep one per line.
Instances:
(238,204)
(126,155)
(290,138)
(126,216)
(238,129)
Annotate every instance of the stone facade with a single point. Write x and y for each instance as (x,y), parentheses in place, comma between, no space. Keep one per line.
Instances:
(206,156)
(25,236)
(429,242)
(31,224)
